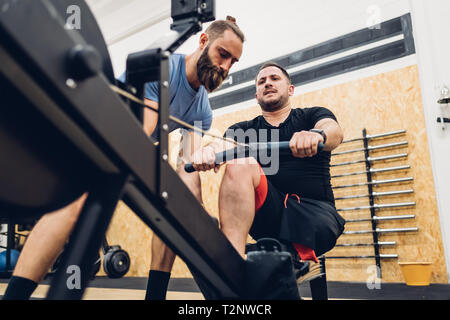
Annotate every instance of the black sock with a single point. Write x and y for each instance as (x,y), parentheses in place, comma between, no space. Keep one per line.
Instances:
(158,281)
(19,289)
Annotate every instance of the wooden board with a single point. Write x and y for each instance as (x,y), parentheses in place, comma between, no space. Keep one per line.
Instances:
(381,103)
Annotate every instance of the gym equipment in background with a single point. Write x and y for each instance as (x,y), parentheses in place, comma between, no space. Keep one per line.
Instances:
(372,195)
(116,261)
(8,257)
(443,102)
(13,257)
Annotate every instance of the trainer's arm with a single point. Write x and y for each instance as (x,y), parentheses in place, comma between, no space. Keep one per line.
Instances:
(150,117)
(334,133)
(190,143)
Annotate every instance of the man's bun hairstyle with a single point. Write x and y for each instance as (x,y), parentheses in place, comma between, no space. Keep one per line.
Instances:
(218,27)
(231,19)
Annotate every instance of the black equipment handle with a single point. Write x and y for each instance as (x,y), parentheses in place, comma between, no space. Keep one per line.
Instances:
(240,152)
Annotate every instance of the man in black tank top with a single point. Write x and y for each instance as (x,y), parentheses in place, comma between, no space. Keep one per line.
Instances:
(282,196)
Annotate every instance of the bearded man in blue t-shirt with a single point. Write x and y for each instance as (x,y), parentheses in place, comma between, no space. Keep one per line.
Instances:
(191,78)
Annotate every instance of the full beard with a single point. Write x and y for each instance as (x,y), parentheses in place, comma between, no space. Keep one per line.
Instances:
(208,74)
(273,105)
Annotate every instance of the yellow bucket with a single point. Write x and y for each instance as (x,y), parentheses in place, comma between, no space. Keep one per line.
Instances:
(416,273)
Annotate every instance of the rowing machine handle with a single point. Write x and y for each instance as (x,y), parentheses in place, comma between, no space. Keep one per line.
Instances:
(282,146)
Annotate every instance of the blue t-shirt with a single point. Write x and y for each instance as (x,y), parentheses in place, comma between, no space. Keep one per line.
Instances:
(187,104)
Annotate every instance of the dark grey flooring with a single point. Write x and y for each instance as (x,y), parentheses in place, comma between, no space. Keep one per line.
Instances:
(336,290)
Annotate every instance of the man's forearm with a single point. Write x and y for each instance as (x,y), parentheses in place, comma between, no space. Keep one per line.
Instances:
(150,117)
(334,134)
(334,137)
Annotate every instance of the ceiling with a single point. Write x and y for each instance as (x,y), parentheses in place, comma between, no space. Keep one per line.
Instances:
(272,29)
(119,19)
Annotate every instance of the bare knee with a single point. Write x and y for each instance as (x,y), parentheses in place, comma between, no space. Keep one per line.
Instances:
(236,198)
(239,172)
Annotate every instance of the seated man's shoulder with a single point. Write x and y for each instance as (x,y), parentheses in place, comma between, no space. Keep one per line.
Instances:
(311,109)
(246,124)
(314,112)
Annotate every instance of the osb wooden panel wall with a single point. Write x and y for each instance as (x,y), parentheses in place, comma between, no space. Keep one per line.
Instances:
(384,103)
(381,103)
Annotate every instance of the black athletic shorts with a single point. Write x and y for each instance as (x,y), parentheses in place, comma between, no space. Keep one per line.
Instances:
(294,219)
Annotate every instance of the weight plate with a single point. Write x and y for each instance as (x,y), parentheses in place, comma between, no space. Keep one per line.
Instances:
(116,263)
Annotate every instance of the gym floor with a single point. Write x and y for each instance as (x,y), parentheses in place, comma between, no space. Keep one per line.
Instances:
(133,288)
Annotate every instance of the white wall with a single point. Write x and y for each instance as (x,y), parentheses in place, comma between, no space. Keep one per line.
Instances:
(120,19)
(431,31)
(273,30)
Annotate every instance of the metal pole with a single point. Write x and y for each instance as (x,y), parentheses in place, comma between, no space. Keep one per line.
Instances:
(377,257)
(369,137)
(380,206)
(406,216)
(369,148)
(372,203)
(395,156)
(386,243)
(163,118)
(375,182)
(377,194)
(382,231)
(373,171)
